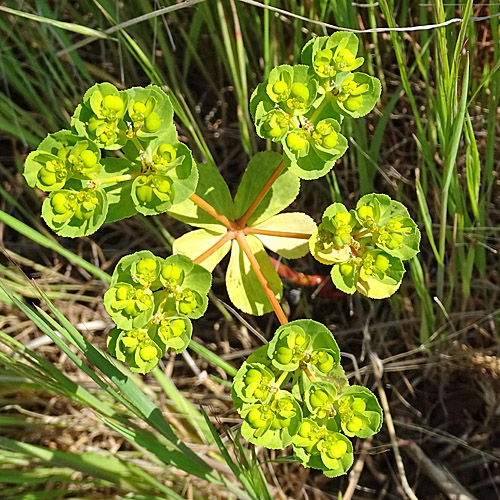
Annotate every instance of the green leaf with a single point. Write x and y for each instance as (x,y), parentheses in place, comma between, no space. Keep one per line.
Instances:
(319,398)
(243,287)
(75,213)
(119,194)
(195,243)
(290,248)
(213,189)
(359,412)
(282,193)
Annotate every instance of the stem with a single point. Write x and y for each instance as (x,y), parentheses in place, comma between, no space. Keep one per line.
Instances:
(319,109)
(241,239)
(279,234)
(207,253)
(116,178)
(137,144)
(242,221)
(362,233)
(212,211)
(310,376)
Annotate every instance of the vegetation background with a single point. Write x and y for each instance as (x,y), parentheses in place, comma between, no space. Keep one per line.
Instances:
(74,424)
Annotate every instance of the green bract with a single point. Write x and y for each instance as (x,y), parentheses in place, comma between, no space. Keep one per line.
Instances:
(274,423)
(101,116)
(75,213)
(332,55)
(358,412)
(366,246)
(322,447)
(60,157)
(155,298)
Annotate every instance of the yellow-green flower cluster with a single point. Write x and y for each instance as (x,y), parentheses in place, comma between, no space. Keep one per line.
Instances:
(294,391)
(152,301)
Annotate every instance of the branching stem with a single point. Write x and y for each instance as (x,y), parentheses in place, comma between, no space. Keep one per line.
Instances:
(230,235)
(279,234)
(213,212)
(242,221)
(241,239)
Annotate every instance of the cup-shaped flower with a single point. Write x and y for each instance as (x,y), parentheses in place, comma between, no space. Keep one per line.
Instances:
(355,94)
(152,193)
(323,447)
(171,331)
(75,213)
(358,412)
(274,423)
(129,306)
(320,400)
(332,55)
(100,117)
(254,383)
(136,348)
(304,344)
(149,111)
(332,241)
(292,88)
(373,273)
(389,225)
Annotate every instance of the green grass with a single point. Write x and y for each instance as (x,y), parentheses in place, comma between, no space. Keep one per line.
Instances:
(432,143)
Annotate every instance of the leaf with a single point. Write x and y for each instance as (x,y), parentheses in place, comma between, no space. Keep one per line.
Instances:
(195,243)
(213,189)
(119,194)
(282,193)
(290,248)
(380,289)
(123,272)
(243,287)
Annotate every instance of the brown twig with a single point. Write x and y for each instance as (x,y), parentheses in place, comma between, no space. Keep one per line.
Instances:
(220,243)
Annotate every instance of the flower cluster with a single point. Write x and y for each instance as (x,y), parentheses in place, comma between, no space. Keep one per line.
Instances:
(86,189)
(303,106)
(294,391)
(151,300)
(367,245)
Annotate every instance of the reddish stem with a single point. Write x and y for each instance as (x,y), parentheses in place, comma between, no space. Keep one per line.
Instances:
(279,234)
(207,253)
(241,239)
(242,221)
(212,211)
